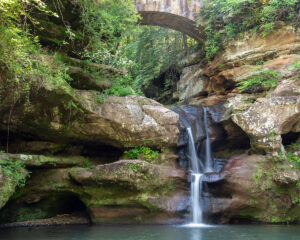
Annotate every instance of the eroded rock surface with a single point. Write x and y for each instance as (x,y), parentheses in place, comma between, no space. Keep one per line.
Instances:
(61,114)
(40,161)
(124,191)
(267,119)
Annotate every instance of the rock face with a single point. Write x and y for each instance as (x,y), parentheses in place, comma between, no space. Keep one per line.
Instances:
(59,113)
(192,83)
(59,119)
(40,161)
(269,118)
(255,188)
(264,113)
(124,191)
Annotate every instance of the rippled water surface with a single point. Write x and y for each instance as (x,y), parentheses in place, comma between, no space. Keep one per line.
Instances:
(227,232)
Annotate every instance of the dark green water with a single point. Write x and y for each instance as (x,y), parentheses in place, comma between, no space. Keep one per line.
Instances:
(228,232)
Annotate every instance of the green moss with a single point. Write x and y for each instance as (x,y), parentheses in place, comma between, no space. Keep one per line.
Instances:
(249,213)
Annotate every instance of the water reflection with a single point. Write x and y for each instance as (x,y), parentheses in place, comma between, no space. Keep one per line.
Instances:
(148,232)
(196,234)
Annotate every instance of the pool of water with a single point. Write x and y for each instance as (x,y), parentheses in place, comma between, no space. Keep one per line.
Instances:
(147,232)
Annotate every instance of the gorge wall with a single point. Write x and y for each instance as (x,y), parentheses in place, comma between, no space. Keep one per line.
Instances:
(74,147)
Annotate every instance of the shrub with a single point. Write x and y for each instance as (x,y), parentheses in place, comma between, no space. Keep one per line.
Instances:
(267,79)
(142,152)
(15,169)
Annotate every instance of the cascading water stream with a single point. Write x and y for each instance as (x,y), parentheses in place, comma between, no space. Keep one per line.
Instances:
(196,190)
(195,180)
(198,170)
(208,158)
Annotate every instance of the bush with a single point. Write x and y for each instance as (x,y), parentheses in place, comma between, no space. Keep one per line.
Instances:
(20,53)
(15,169)
(142,152)
(267,79)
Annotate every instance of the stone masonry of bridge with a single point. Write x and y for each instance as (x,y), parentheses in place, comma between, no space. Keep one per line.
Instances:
(179,15)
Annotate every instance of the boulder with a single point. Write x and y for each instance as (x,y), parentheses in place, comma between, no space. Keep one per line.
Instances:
(267,119)
(247,189)
(135,174)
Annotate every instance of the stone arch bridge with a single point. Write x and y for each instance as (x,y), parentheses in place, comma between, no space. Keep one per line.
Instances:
(179,15)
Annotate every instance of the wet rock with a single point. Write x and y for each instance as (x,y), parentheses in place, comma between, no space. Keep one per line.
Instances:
(63,219)
(252,187)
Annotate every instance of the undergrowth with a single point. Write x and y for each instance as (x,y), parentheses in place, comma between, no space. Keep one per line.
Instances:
(142,152)
(15,170)
(266,78)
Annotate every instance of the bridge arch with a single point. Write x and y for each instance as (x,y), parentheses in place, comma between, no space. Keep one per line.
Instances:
(179,15)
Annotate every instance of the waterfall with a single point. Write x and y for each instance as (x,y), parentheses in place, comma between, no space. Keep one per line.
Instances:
(196,189)
(197,170)
(208,159)
(195,152)
(196,183)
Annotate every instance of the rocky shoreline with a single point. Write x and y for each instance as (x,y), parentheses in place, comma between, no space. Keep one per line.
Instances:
(59,220)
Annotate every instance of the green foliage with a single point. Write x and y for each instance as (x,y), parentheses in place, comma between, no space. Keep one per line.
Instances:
(134,167)
(296,66)
(14,169)
(123,86)
(227,19)
(258,175)
(142,152)
(290,155)
(21,54)
(105,21)
(86,163)
(267,79)
(18,11)
(273,135)
(153,50)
